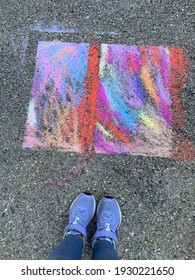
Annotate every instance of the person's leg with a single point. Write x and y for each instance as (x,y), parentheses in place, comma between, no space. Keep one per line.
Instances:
(105,239)
(75,232)
(104,250)
(70,248)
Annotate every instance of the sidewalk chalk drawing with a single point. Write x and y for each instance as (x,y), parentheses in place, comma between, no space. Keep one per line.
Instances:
(109,99)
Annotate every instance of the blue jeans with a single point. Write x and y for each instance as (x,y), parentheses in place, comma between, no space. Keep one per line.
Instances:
(71,247)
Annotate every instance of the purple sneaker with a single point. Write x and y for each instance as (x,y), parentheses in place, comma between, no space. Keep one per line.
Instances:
(80,214)
(108,220)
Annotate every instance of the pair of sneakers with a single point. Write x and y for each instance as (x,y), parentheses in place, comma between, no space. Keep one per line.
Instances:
(82,211)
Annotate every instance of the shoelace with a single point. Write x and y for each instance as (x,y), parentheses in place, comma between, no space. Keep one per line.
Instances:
(107,221)
(81,215)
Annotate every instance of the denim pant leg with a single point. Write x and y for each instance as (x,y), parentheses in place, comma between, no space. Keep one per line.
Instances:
(70,248)
(104,250)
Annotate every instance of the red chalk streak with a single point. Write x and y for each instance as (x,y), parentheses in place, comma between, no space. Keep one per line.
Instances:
(87,108)
(118,133)
(156,57)
(183,148)
(73,172)
(132,63)
(178,76)
(144,56)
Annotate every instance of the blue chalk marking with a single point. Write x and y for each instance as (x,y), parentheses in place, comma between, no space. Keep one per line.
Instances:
(127,115)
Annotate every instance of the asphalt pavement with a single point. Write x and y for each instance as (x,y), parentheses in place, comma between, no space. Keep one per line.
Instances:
(156,195)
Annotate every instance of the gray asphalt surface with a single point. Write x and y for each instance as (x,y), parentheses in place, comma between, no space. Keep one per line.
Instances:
(157,196)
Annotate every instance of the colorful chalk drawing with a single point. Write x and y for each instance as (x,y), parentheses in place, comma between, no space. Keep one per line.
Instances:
(109,99)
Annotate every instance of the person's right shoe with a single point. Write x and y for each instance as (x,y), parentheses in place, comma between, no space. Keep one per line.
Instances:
(108,220)
(80,214)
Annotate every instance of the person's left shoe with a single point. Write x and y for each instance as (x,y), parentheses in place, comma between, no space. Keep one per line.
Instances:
(80,214)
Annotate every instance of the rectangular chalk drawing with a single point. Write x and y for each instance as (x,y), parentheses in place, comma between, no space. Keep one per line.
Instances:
(108,98)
